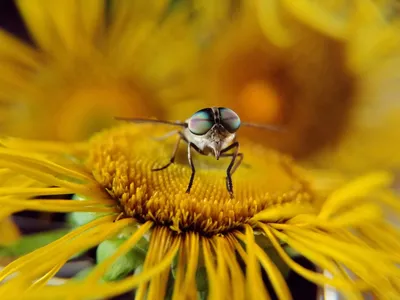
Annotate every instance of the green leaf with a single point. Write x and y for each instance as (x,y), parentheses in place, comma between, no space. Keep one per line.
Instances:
(124,264)
(128,231)
(32,242)
(83,273)
(277,260)
(291,252)
(203,295)
(201,275)
(201,279)
(76,219)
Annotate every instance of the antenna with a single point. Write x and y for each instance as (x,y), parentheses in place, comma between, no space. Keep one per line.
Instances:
(263,126)
(139,121)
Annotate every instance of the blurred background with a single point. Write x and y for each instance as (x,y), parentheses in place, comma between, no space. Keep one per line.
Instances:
(327,72)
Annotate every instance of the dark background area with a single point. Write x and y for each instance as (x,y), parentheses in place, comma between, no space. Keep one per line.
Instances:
(11,21)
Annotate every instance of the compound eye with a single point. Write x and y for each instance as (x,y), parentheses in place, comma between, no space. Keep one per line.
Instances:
(229,119)
(201,122)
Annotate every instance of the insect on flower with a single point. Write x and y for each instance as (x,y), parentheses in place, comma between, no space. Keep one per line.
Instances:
(209,131)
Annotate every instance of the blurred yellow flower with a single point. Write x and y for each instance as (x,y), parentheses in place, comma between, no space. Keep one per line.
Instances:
(9,232)
(326,71)
(194,238)
(390,9)
(92,60)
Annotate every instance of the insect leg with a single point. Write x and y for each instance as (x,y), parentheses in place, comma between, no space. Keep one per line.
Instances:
(229,185)
(231,146)
(238,162)
(190,146)
(119,217)
(172,159)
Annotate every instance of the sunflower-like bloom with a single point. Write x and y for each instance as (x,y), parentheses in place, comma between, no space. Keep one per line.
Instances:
(202,241)
(91,61)
(327,72)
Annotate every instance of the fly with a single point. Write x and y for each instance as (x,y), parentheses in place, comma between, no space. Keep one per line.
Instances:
(210,131)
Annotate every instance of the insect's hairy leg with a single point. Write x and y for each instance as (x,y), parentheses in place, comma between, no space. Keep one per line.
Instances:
(238,162)
(229,185)
(239,154)
(190,146)
(172,159)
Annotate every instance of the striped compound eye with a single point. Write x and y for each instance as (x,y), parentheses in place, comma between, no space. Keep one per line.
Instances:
(229,119)
(201,122)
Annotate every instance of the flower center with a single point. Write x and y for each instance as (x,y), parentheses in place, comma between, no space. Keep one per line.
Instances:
(261,101)
(288,87)
(122,160)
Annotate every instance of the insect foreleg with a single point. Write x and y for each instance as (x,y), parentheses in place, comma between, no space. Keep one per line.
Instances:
(232,167)
(172,159)
(190,146)
(238,162)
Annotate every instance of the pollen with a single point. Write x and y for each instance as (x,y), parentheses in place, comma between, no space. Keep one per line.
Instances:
(122,160)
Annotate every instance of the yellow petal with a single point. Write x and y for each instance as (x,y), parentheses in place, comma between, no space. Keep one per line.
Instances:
(328,17)
(17,51)
(63,25)
(9,232)
(131,24)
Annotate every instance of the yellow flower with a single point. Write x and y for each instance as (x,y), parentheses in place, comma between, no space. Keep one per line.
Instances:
(92,60)
(8,231)
(326,71)
(202,236)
